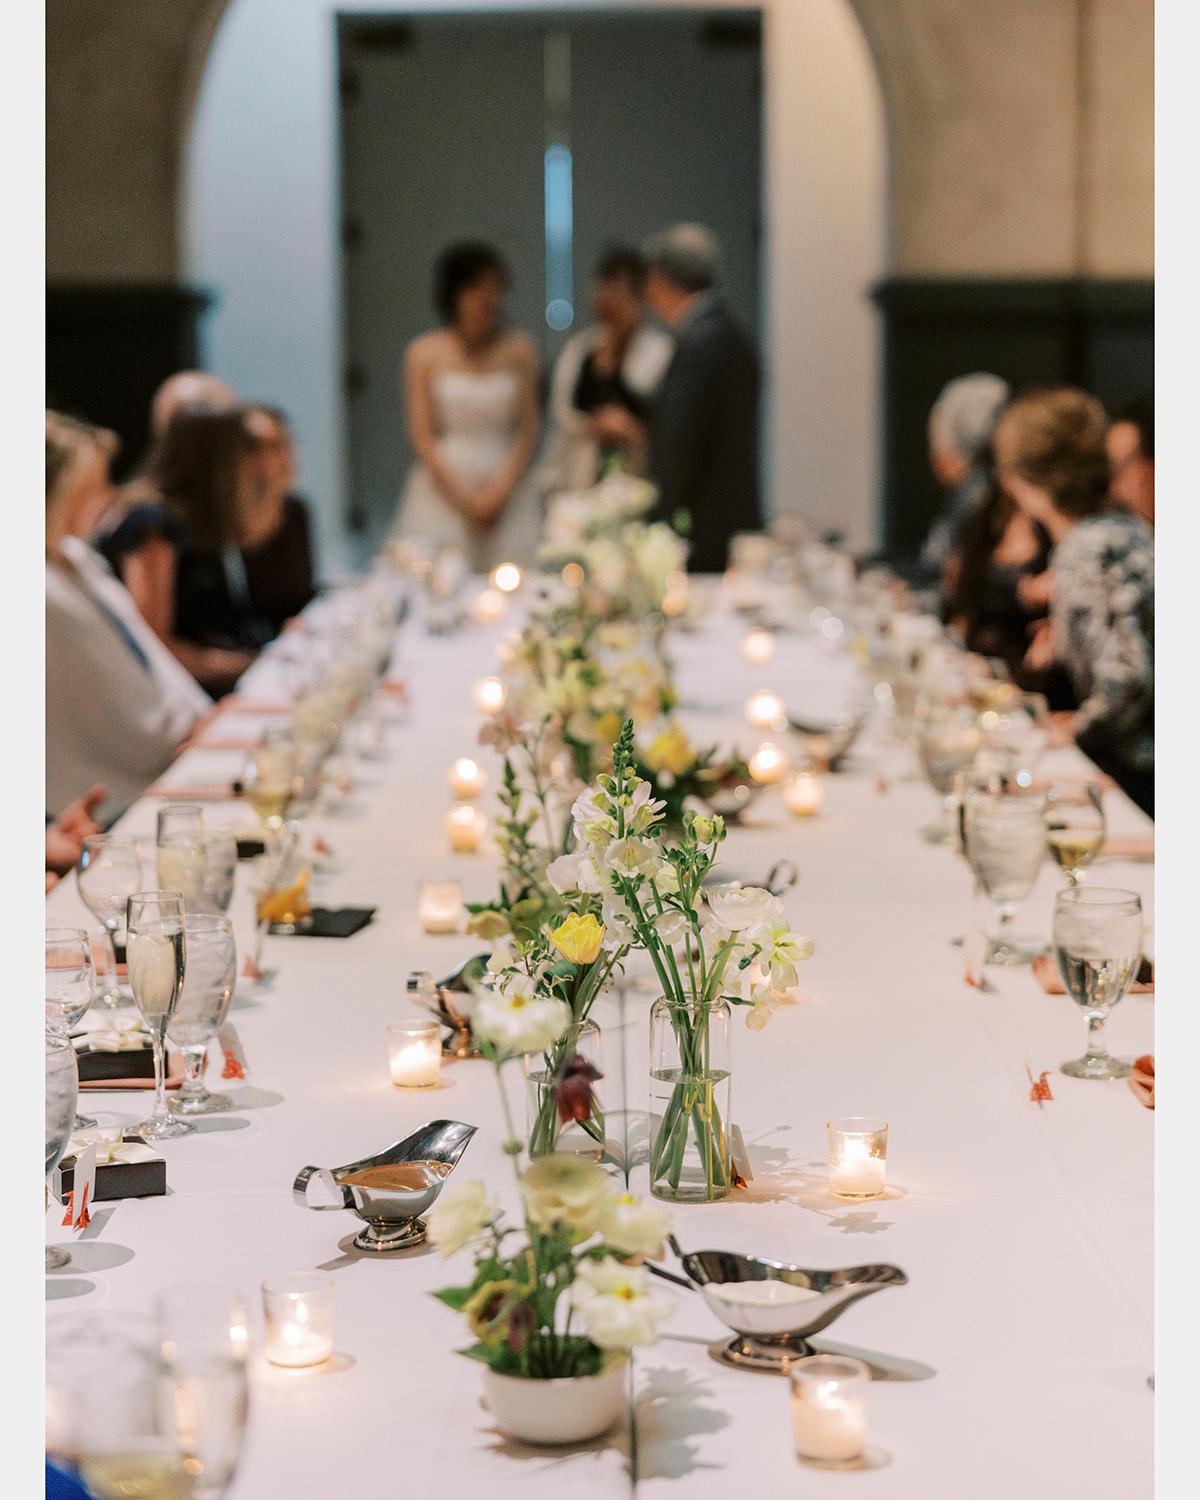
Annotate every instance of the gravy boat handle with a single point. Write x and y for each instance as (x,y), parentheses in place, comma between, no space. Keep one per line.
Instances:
(300,1190)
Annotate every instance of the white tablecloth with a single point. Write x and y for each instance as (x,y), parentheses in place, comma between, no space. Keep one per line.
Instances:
(1025,1231)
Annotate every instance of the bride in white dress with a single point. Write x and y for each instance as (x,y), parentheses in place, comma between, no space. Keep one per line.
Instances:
(471,398)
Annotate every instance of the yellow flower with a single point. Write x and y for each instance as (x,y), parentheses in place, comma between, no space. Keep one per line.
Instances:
(579,938)
(670,751)
(607,728)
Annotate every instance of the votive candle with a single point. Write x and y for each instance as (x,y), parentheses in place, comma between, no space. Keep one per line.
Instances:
(439,905)
(829,1409)
(490,607)
(506,578)
(768,764)
(766,710)
(298,1308)
(803,794)
(415,1054)
(488,694)
(465,827)
(857,1157)
(467,777)
(758,647)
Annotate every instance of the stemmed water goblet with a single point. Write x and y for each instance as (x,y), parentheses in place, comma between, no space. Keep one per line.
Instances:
(70,985)
(948,739)
(1097,937)
(202,1338)
(176,818)
(181,864)
(108,873)
(220,872)
(208,983)
(1075,826)
(1005,843)
(62,1091)
(157,955)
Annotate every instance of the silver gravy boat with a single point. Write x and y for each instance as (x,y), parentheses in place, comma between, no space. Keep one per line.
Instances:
(772,1330)
(452,1001)
(389,1190)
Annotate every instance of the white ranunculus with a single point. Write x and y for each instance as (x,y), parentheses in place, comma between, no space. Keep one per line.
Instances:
(671,925)
(745,906)
(780,950)
(614,1305)
(462,1213)
(634,1227)
(515,1019)
(565,1189)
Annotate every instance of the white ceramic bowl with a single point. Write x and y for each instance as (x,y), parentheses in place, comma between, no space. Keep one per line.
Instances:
(557,1411)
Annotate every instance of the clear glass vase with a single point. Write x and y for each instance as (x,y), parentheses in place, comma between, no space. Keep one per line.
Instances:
(546,1131)
(689,1101)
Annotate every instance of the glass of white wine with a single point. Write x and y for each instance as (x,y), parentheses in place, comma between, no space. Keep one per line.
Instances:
(62,1090)
(1075,826)
(156,951)
(108,873)
(208,983)
(267,779)
(1005,845)
(70,985)
(1098,944)
(202,1386)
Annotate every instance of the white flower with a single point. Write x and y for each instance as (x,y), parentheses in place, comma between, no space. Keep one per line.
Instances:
(779,950)
(461,1213)
(631,858)
(594,822)
(504,955)
(634,1227)
(514,1018)
(671,925)
(565,1189)
(614,1305)
(766,1003)
(563,873)
(745,906)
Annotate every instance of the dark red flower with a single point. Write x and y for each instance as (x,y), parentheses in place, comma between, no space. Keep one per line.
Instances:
(574,1097)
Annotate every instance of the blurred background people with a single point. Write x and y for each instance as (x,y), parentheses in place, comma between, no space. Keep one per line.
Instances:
(66,832)
(961,421)
(188,388)
(118,704)
(178,545)
(703,431)
(276,543)
(605,380)
(1051,460)
(471,397)
(1130,445)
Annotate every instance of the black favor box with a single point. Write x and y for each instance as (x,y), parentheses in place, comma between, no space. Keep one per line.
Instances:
(115,1179)
(97,1066)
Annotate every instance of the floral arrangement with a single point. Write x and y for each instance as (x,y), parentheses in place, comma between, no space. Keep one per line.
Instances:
(676,770)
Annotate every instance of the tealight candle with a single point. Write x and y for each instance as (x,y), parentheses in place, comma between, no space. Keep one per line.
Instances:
(803,794)
(467,777)
(488,694)
(490,607)
(829,1409)
(766,710)
(506,578)
(415,1054)
(857,1158)
(439,905)
(758,647)
(465,828)
(573,575)
(298,1308)
(768,764)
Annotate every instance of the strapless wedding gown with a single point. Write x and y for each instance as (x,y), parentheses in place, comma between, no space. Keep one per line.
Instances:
(476,417)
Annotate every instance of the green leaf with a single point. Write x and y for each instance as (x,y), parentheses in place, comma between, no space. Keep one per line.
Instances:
(455,1297)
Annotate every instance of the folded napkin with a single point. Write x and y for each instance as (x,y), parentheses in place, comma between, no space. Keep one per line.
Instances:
(138,1081)
(1045,971)
(110,1144)
(1141,1080)
(118,1033)
(220,791)
(342,923)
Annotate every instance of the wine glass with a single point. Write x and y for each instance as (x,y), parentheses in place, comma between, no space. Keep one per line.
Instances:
(70,985)
(202,1341)
(1005,846)
(203,1004)
(1074,826)
(181,864)
(1016,732)
(948,739)
(62,1091)
(220,872)
(267,779)
(108,873)
(156,955)
(1097,938)
(178,817)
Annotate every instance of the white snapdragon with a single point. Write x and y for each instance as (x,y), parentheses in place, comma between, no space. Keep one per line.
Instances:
(779,950)
(614,1304)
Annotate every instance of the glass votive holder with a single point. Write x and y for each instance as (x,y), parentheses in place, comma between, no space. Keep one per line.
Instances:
(298,1309)
(490,607)
(803,795)
(758,646)
(857,1157)
(766,710)
(829,1409)
(488,694)
(466,777)
(465,828)
(439,905)
(768,764)
(415,1053)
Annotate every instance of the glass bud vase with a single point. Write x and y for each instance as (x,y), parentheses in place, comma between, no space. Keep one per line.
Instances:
(546,1131)
(689,1101)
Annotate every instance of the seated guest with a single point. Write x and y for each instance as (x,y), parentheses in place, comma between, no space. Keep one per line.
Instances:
(1051,461)
(960,428)
(65,833)
(118,704)
(704,426)
(604,382)
(177,547)
(1130,445)
(276,542)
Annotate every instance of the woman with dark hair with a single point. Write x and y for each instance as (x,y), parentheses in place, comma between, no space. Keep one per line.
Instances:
(605,380)
(177,548)
(471,395)
(1051,461)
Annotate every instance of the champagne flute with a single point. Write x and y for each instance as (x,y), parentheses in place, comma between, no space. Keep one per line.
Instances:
(208,983)
(157,953)
(62,1091)
(108,873)
(1098,944)
(1075,826)
(1005,845)
(948,739)
(70,985)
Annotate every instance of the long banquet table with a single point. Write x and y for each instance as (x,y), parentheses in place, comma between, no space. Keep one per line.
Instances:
(1017,1357)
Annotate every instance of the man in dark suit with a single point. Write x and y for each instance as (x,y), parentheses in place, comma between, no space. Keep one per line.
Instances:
(704,426)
